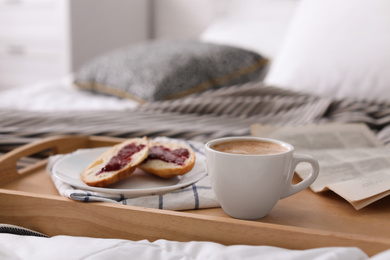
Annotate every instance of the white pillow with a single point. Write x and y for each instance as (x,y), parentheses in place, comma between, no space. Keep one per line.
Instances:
(256,25)
(337,48)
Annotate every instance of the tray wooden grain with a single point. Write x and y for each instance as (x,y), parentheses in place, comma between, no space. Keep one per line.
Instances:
(28,198)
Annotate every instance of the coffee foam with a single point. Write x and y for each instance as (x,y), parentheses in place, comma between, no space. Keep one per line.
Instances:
(249,147)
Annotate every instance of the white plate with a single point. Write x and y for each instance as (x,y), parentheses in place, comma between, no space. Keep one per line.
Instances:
(139,183)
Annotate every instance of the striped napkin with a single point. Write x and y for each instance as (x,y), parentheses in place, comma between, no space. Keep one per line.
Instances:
(196,196)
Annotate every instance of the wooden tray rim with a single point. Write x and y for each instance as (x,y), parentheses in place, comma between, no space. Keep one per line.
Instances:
(267,233)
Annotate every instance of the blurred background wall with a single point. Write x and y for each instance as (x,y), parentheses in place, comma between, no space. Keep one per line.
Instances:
(47,39)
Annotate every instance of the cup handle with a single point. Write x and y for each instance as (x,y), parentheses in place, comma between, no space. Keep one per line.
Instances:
(297,159)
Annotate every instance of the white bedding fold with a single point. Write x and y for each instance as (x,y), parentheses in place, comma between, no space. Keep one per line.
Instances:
(59,95)
(67,247)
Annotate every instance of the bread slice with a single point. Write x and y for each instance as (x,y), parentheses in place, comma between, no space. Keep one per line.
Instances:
(168,159)
(116,163)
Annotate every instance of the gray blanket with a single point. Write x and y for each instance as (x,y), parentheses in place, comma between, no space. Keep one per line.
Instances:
(216,113)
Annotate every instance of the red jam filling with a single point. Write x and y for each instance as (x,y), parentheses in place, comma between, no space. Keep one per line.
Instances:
(122,158)
(177,156)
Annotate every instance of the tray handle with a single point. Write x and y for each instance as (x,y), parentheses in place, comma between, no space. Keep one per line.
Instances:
(56,145)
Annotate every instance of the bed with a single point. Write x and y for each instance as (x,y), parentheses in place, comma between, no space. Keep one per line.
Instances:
(280,63)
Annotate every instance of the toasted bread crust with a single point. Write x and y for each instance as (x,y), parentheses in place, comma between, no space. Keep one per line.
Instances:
(168,169)
(92,175)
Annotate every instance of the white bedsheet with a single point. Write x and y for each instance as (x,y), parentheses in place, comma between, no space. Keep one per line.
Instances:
(67,247)
(59,95)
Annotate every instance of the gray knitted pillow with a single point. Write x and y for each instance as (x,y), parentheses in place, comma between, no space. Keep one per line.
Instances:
(164,70)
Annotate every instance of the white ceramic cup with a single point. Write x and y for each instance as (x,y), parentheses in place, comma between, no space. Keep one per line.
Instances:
(249,186)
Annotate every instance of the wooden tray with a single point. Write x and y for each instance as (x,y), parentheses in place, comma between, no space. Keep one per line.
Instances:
(28,198)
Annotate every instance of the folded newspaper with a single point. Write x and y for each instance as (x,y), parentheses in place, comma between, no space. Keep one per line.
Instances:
(353,163)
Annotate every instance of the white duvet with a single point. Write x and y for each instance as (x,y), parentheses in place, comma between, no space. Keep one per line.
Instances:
(59,95)
(67,247)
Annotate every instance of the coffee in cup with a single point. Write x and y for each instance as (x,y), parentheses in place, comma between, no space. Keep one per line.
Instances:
(249,147)
(250,174)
